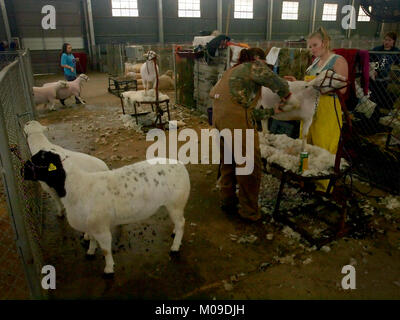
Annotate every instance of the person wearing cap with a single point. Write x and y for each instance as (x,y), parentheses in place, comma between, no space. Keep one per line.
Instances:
(234,97)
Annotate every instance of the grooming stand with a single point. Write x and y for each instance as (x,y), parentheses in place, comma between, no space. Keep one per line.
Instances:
(117,85)
(160,110)
(338,199)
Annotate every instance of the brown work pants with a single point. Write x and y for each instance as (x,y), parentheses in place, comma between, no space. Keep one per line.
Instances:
(228,114)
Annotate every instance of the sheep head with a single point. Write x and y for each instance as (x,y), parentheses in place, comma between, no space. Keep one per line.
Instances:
(84,77)
(34,126)
(46,166)
(150,55)
(328,81)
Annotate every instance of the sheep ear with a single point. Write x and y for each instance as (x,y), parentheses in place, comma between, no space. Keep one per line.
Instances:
(52,167)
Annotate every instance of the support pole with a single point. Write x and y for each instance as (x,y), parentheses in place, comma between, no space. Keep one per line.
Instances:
(269,20)
(348,35)
(160,22)
(85,13)
(228,19)
(313,15)
(5,19)
(219,15)
(91,29)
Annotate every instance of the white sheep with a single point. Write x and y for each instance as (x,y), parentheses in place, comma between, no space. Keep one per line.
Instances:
(37,140)
(148,71)
(304,99)
(73,88)
(48,95)
(97,202)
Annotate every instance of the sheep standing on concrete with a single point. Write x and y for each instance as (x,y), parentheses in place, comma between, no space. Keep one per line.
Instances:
(97,202)
(73,88)
(148,71)
(48,94)
(37,140)
(304,99)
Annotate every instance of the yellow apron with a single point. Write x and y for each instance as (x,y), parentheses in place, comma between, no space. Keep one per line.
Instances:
(325,129)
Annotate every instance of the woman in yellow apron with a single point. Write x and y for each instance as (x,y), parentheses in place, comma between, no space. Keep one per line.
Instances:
(325,129)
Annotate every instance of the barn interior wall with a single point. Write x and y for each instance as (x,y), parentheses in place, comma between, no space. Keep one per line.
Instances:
(25,22)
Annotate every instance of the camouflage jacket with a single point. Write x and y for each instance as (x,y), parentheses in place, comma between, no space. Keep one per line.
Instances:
(246,81)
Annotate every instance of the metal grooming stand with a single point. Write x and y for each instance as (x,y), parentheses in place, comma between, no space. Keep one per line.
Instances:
(159,111)
(340,197)
(117,85)
(152,103)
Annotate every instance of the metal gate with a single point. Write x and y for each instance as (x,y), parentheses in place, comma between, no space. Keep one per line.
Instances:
(24,199)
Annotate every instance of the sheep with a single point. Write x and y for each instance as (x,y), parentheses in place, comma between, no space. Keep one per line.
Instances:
(98,201)
(148,71)
(37,140)
(304,99)
(73,88)
(48,95)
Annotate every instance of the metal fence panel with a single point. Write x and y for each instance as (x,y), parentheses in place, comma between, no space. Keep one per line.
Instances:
(24,199)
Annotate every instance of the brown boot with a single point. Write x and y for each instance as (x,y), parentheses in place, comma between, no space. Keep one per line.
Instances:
(229,205)
(252,216)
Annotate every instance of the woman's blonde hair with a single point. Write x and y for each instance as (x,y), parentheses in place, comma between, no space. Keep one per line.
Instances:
(323,35)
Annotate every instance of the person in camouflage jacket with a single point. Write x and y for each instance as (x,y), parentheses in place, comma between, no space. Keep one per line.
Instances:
(234,98)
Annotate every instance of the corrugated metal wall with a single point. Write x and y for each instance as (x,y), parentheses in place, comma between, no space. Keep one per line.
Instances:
(244,29)
(184,29)
(45,45)
(25,22)
(142,29)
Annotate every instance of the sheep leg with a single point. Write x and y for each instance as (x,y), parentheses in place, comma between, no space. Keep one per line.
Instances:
(92,246)
(306,127)
(104,239)
(145,87)
(59,205)
(51,106)
(80,99)
(264,125)
(177,218)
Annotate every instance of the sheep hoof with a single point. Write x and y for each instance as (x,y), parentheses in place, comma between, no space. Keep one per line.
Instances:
(61,213)
(85,244)
(108,275)
(174,254)
(90,257)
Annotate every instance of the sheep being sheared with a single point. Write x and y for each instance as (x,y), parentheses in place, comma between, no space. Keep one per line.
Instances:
(304,99)
(148,71)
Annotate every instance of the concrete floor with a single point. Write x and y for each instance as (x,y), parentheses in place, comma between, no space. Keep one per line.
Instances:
(212,262)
